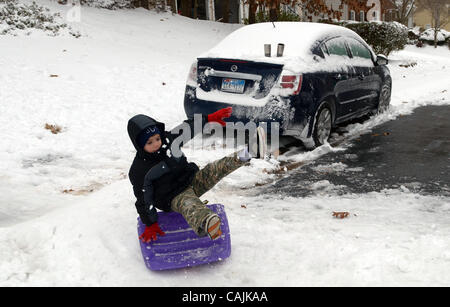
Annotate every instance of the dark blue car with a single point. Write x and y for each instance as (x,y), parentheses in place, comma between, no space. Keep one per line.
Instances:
(308,77)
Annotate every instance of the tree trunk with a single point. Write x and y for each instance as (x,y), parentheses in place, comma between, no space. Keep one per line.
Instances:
(173,6)
(252,11)
(273,12)
(195,9)
(437,22)
(435,37)
(225,11)
(186,6)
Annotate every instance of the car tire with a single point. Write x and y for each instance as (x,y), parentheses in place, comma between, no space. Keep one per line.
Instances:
(384,99)
(322,125)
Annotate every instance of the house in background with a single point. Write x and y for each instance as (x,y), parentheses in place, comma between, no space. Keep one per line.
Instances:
(236,11)
(229,11)
(363,10)
(423,18)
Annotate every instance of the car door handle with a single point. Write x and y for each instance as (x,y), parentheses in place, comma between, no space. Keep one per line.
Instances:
(338,77)
(361,76)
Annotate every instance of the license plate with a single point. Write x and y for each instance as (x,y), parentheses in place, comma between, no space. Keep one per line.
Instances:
(233,85)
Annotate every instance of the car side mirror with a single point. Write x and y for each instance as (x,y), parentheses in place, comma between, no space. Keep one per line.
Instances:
(382,59)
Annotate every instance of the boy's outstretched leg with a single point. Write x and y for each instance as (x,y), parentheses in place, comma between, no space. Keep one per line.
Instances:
(212,173)
(206,178)
(202,219)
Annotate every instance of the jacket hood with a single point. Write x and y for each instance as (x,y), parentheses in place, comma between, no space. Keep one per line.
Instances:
(137,124)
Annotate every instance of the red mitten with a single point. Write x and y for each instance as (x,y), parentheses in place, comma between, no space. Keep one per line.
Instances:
(150,233)
(218,116)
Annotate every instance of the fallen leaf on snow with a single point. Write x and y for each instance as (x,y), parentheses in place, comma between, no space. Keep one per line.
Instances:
(55,129)
(340,215)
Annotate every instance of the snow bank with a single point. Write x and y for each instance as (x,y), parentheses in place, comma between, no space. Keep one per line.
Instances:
(390,238)
(428,35)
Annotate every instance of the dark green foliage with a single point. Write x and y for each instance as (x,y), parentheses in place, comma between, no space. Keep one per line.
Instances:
(264,16)
(383,37)
(17,16)
(111,4)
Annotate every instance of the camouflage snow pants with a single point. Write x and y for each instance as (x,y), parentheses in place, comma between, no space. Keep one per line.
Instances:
(188,202)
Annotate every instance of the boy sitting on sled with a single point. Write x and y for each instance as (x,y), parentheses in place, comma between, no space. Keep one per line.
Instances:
(162,180)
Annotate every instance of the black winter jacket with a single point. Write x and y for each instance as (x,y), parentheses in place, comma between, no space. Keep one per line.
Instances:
(158,177)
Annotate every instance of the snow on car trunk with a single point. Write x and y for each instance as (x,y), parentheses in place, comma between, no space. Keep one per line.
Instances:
(236,80)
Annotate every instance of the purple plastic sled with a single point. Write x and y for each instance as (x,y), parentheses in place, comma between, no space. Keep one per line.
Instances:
(181,247)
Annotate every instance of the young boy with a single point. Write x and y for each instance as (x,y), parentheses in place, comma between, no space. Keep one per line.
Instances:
(162,180)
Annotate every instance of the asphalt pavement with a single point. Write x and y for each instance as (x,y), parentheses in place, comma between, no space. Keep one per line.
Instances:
(410,153)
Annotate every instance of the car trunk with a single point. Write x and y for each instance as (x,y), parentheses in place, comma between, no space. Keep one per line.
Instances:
(238,77)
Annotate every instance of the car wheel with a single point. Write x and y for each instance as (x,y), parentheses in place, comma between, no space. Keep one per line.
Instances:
(384,98)
(322,126)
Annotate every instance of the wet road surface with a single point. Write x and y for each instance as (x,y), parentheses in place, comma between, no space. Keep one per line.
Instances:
(411,152)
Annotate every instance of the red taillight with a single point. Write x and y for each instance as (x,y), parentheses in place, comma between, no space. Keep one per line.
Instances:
(292,82)
(287,85)
(288,78)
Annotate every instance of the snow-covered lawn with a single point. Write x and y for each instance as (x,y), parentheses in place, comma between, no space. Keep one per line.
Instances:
(67,213)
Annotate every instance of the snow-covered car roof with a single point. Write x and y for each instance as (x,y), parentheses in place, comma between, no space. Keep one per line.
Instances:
(298,38)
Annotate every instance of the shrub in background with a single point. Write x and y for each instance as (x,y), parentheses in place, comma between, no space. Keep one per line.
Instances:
(18,17)
(263,16)
(105,4)
(109,4)
(427,36)
(383,37)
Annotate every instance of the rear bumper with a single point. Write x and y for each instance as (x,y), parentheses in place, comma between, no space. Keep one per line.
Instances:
(293,122)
